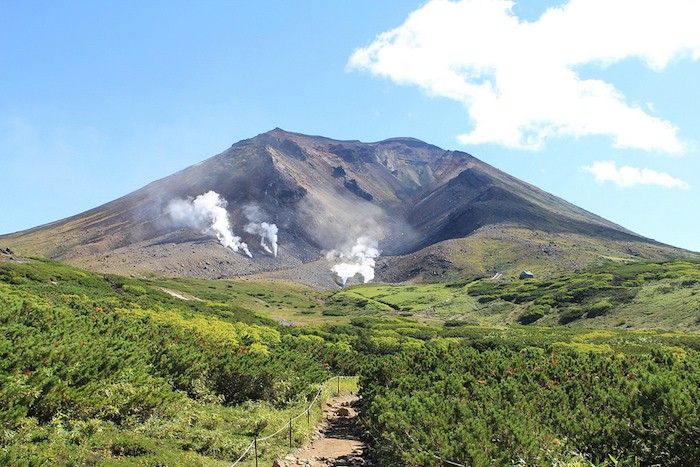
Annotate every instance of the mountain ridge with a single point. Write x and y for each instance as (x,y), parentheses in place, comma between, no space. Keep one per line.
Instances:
(411,198)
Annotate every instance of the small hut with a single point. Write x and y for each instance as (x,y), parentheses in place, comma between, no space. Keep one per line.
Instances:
(527,275)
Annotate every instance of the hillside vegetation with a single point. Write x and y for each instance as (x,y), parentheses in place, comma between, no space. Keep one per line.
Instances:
(96,368)
(533,406)
(638,295)
(106,369)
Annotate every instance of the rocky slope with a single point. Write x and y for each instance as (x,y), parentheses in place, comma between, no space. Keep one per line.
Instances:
(431,213)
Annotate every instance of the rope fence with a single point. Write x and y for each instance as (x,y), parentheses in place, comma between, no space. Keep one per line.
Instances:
(254,444)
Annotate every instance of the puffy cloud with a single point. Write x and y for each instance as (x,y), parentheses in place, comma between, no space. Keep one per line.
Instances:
(519,79)
(607,171)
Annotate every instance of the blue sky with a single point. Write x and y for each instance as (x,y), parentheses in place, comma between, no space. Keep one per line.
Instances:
(594,101)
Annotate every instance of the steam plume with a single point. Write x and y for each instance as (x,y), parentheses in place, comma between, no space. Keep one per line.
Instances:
(208,213)
(266,231)
(359,260)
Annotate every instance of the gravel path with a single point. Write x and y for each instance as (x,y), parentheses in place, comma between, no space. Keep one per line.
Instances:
(337,439)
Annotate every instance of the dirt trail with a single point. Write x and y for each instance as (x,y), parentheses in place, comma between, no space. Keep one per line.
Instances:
(337,439)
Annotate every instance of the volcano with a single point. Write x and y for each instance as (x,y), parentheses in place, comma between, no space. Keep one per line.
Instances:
(433,214)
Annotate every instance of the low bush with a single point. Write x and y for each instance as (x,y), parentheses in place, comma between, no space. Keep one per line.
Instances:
(535,406)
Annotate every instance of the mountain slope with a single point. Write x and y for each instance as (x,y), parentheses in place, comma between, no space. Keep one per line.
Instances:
(430,211)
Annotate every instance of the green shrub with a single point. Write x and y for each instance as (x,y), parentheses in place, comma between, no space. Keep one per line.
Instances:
(451,323)
(571,314)
(535,406)
(533,313)
(598,309)
(134,289)
(334,312)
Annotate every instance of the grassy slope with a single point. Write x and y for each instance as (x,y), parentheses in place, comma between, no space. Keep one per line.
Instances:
(622,296)
(641,295)
(79,383)
(114,370)
(656,295)
(510,250)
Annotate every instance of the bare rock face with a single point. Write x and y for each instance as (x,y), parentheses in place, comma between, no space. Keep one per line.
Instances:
(403,196)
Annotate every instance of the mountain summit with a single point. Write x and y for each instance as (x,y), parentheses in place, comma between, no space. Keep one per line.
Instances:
(320,211)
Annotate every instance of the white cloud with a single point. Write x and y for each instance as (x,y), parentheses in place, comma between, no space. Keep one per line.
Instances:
(607,171)
(518,79)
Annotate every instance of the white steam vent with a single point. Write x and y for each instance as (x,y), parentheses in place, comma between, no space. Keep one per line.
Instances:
(265,230)
(208,213)
(360,259)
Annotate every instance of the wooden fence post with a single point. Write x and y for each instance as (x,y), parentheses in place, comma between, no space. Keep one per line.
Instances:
(255,445)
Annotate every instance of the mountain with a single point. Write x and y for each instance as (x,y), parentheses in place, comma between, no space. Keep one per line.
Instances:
(318,203)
